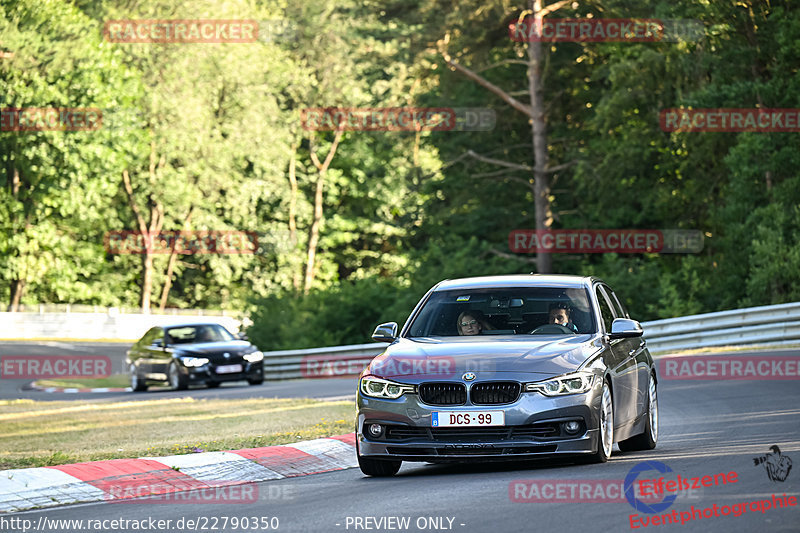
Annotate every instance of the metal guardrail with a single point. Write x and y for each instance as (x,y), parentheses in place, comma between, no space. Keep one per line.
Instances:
(766,325)
(770,325)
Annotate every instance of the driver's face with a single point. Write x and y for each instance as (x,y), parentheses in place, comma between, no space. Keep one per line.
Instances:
(559,316)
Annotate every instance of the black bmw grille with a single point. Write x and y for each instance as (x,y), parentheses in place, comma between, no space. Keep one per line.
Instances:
(443,393)
(475,434)
(496,392)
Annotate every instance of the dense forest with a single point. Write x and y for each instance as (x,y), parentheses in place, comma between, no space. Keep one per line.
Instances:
(354,226)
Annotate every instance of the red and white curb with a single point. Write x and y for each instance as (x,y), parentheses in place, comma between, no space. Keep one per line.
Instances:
(48,486)
(35,387)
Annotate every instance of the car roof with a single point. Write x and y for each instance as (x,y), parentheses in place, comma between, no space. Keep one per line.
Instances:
(564,281)
(183,324)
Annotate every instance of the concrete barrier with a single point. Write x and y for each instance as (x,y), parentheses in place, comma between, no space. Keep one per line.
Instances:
(110,324)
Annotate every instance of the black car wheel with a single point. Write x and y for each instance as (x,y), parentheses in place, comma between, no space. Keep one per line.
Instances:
(138,384)
(647,439)
(376,467)
(177,380)
(257,381)
(213,384)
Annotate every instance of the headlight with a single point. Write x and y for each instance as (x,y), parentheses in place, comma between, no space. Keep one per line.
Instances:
(254,357)
(575,383)
(383,388)
(193,362)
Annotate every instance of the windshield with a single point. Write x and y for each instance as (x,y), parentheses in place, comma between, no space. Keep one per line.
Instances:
(506,311)
(198,334)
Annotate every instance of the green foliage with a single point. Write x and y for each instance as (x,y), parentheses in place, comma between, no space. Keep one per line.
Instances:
(401,210)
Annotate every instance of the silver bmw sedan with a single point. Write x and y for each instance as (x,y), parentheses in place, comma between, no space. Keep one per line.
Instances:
(508,368)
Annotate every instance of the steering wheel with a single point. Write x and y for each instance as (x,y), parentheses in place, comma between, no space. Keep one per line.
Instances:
(551,328)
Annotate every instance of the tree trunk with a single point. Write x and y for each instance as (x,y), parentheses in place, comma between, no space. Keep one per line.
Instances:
(148,233)
(293,215)
(147,279)
(173,259)
(541,183)
(313,232)
(17,285)
(17,288)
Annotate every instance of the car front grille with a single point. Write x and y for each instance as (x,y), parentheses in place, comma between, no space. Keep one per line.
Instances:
(471,450)
(443,393)
(472,434)
(494,393)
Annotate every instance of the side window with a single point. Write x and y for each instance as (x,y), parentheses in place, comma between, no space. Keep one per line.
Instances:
(605,311)
(157,335)
(620,306)
(149,337)
(619,311)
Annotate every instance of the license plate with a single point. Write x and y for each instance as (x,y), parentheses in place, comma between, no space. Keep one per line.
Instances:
(229,369)
(467,418)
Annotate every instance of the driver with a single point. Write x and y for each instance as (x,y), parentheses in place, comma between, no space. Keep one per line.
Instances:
(559,314)
(472,323)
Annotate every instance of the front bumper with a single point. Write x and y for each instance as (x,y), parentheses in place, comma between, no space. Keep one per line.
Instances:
(207,373)
(533,429)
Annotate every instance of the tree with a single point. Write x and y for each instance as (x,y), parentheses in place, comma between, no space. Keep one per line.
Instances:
(56,182)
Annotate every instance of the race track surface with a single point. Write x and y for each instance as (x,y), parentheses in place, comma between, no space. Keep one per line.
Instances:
(707,427)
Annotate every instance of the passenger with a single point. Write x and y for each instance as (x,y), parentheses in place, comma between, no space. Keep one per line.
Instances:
(204,335)
(472,323)
(560,314)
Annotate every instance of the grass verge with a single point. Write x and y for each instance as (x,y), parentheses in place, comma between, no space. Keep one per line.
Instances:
(112,382)
(53,433)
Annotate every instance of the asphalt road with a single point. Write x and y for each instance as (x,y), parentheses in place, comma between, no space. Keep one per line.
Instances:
(12,389)
(707,428)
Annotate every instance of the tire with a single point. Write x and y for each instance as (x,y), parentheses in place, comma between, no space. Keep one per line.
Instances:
(257,381)
(376,467)
(177,380)
(213,384)
(647,439)
(605,440)
(138,384)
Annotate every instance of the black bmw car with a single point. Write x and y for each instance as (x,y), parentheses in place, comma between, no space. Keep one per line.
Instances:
(508,368)
(193,353)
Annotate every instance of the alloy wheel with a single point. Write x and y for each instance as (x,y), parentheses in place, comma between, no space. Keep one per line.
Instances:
(607,421)
(653,410)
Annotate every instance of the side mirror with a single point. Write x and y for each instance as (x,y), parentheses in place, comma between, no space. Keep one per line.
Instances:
(625,328)
(158,343)
(385,332)
(243,337)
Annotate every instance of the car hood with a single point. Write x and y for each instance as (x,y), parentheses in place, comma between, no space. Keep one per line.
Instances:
(213,348)
(536,358)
